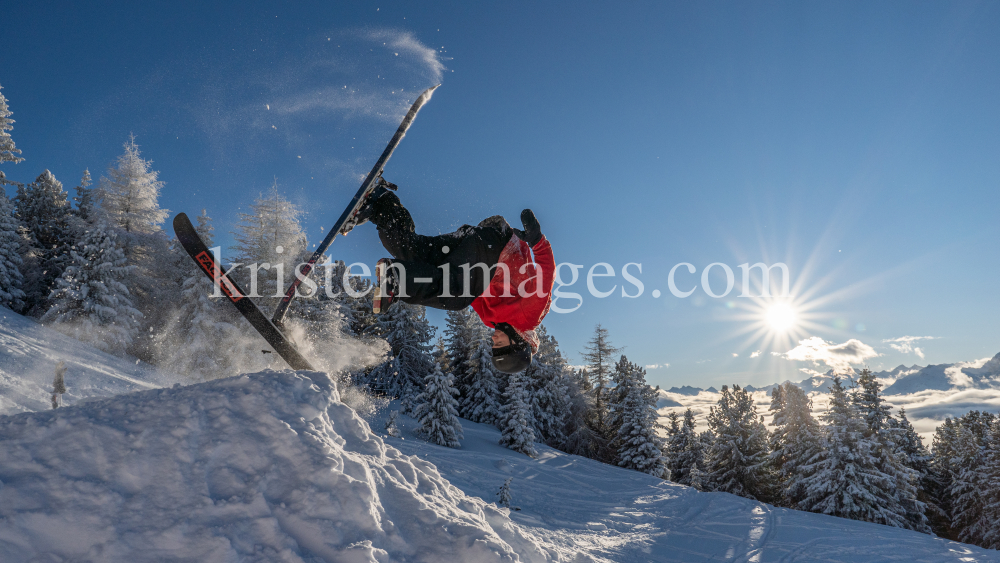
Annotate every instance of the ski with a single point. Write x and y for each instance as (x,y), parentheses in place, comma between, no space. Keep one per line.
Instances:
(196,248)
(346,221)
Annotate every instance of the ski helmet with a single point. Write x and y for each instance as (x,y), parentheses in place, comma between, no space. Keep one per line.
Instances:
(516,356)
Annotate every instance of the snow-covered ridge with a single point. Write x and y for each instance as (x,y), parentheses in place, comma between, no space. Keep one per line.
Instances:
(262,467)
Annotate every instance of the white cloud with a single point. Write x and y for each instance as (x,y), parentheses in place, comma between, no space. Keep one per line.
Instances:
(837,356)
(755,354)
(905,345)
(735,355)
(658,366)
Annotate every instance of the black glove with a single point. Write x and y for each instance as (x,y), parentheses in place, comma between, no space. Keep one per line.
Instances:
(532,232)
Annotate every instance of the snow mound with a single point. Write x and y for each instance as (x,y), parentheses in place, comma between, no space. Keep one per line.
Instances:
(261,467)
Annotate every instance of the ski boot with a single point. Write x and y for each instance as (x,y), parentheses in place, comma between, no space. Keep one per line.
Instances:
(364,212)
(385,286)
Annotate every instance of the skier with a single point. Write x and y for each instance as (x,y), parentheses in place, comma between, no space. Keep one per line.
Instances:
(488,266)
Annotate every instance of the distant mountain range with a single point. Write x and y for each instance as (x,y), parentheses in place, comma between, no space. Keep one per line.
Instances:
(900,380)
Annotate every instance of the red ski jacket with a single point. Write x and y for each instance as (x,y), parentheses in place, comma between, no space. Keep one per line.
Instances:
(520,296)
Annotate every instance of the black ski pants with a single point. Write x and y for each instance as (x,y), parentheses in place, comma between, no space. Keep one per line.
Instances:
(425,259)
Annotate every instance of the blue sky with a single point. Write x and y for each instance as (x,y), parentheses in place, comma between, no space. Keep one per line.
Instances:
(857,143)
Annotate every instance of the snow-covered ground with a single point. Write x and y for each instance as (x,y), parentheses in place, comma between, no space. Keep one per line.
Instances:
(273,467)
(29,353)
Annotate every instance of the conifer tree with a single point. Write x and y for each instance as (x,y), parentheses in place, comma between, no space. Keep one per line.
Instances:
(845,480)
(883,438)
(8,152)
(503,495)
(463,331)
(408,333)
(581,437)
(599,357)
(687,454)
(130,194)
(86,206)
(44,212)
(269,239)
(738,460)
(547,389)
(794,442)
(482,400)
(11,278)
(390,425)
(91,302)
(516,427)
(636,421)
(437,409)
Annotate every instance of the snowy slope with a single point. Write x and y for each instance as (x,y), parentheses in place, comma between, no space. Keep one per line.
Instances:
(262,467)
(29,353)
(581,508)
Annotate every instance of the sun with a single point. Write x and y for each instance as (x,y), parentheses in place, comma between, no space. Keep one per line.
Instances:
(780,317)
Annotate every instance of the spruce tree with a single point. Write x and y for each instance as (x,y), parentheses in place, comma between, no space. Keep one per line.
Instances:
(44,211)
(390,425)
(636,421)
(482,400)
(8,152)
(547,389)
(738,460)
(462,332)
(408,333)
(687,454)
(437,409)
(11,278)
(845,479)
(581,437)
(883,438)
(91,301)
(130,195)
(86,206)
(516,427)
(794,442)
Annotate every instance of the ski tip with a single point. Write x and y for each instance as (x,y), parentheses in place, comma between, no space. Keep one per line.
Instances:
(181,219)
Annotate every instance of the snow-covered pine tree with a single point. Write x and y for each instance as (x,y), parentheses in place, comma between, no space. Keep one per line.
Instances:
(636,420)
(91,301)
(8,152)
(462,334)
(408,333)
(86,206)
(482,400)
(130,195)
(794,442)
(912,453)
(390,425)
(880,432)
(440,356)
(270,236)
(970,453)
(599,355)
(687,454)
(942,475)
(581,437)
(547,388)
(11,279)
(437,409)
(738,460)
(202,338)
(845,480)
(127,198)
(516,427)
(44,211)
(503,495)
(58,384)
